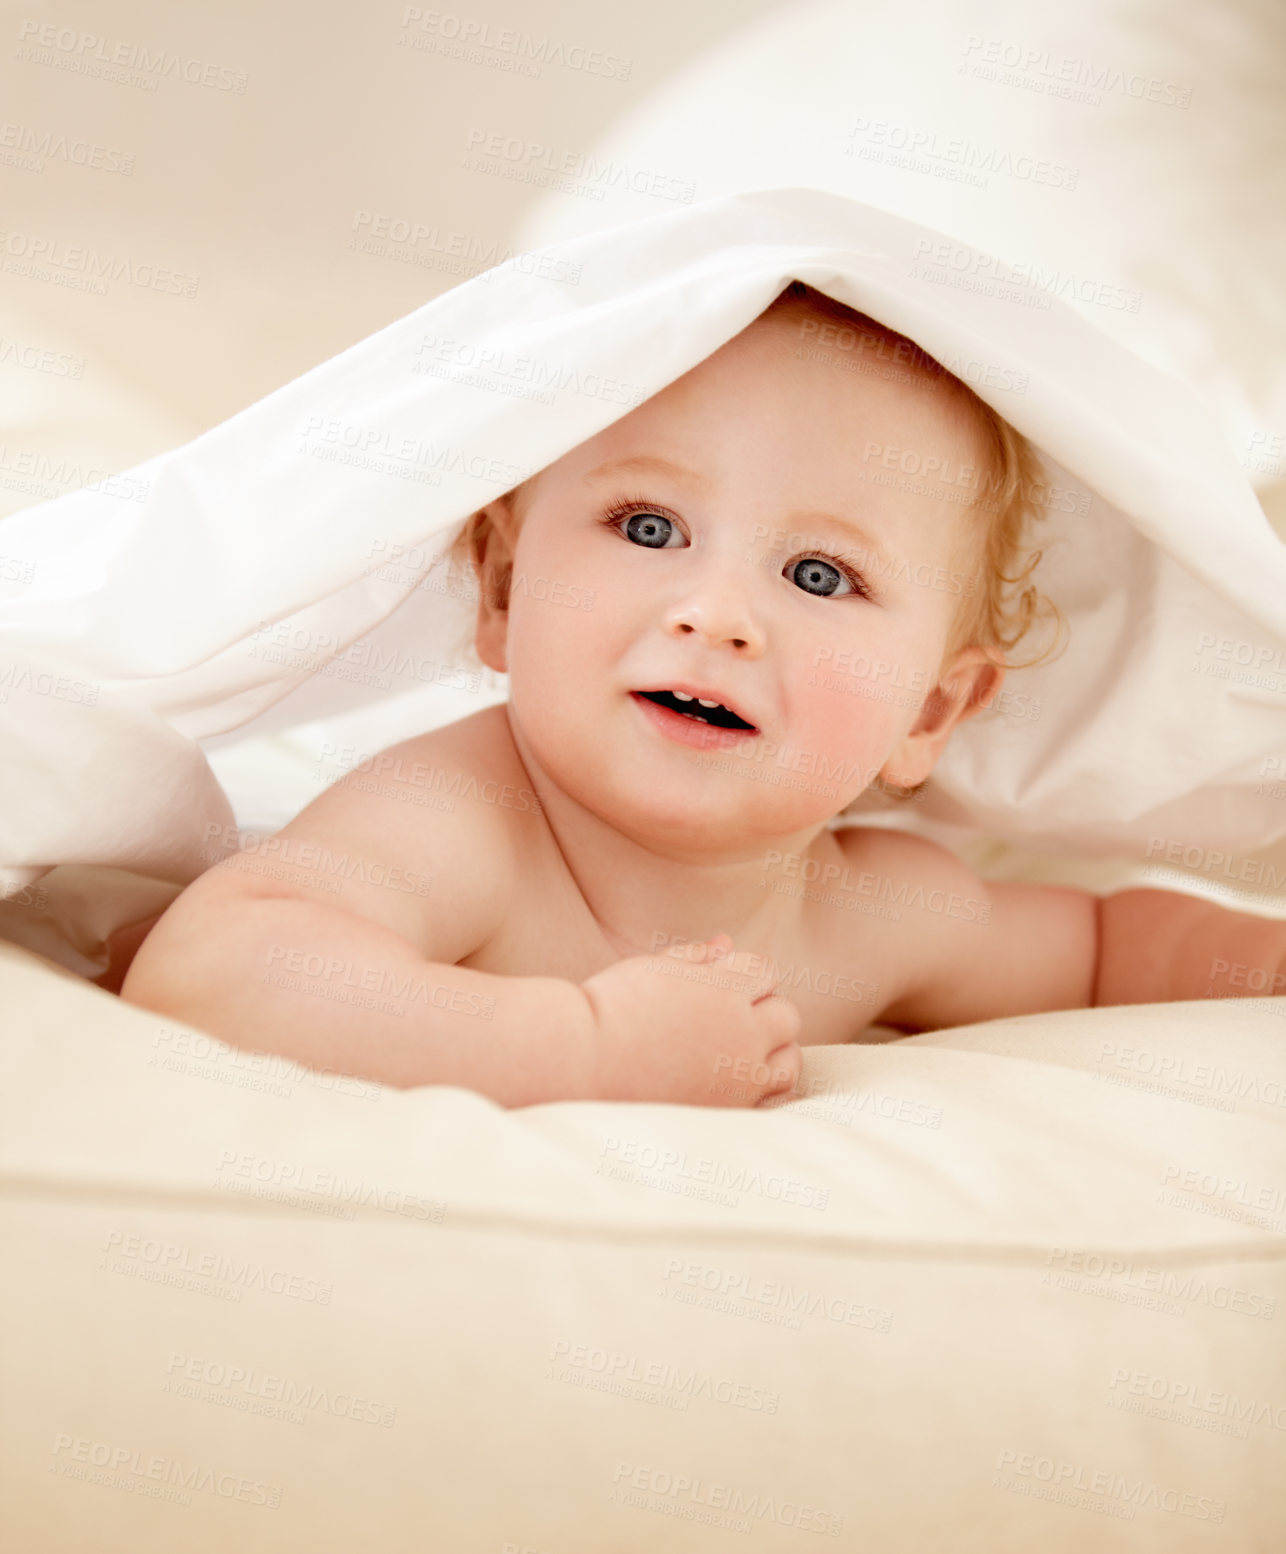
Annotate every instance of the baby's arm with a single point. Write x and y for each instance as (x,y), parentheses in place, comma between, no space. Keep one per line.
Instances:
(320,985)
(1157,946)
(1011,948)
(335,944)
(313,947)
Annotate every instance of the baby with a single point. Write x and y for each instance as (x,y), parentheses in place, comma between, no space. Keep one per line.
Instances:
(640,893)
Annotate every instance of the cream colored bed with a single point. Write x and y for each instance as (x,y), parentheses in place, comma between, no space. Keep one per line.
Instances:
(1008,1287)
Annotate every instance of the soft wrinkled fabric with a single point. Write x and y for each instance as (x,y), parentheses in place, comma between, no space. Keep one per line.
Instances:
(214,587)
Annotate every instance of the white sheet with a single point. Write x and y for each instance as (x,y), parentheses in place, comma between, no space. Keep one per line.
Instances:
(244,580)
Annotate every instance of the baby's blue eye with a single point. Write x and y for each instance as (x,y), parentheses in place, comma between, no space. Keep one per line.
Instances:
(821,577)
(650,529)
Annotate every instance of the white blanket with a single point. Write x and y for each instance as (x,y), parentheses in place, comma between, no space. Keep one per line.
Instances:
(233,581)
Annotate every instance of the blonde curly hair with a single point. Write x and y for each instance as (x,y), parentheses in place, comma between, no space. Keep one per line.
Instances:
(996,611)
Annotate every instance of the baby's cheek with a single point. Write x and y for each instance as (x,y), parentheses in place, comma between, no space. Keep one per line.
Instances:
(847,723)
(551,619)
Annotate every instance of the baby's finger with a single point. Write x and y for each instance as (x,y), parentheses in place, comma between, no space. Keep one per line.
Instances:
(698,950)
(756,975)
(762,979)
(781,1019)
(785,1064)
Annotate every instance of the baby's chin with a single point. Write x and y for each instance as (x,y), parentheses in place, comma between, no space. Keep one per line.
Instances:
(719,812)
(702,838)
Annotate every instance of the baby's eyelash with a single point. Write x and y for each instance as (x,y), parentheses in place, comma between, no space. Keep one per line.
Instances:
(854,577)
(627,506)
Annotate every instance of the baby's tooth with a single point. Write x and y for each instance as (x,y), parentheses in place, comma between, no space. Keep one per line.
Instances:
(701,702)
(680,696)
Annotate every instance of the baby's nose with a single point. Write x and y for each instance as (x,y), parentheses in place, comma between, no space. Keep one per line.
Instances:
(718,609)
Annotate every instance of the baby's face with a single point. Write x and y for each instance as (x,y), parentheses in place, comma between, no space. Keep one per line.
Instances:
(702,540)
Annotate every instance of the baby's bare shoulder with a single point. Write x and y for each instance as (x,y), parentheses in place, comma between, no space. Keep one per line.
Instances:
(965,949)
(904,869)
(418,838)
(911,884)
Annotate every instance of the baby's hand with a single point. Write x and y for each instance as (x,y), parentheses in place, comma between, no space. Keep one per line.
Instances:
(667,1028)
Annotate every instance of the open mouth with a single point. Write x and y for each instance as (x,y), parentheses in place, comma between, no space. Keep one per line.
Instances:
(718,715)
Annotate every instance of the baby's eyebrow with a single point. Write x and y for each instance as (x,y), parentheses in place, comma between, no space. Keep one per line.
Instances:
(648,464)
(645,464)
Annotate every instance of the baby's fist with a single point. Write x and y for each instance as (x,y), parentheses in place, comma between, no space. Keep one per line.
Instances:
(704,1032)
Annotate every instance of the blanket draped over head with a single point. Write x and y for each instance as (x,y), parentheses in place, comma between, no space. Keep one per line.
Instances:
(133,616)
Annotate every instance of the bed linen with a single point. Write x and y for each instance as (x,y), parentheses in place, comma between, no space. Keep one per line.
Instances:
(260,575)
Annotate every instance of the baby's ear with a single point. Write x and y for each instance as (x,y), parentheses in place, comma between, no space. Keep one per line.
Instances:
(968,684)
(492,535)
(982,679)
